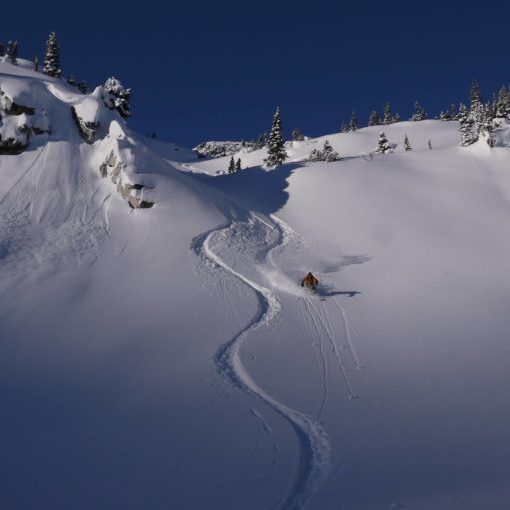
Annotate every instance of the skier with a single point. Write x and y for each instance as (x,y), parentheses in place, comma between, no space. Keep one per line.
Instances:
(310,281)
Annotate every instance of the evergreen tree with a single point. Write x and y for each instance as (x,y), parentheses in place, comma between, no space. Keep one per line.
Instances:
(238,165)
(397,118)
(407,144)
(454,112)
(419,112)
(388,114)
(445,115)
(36,64)
(344,128)
(326,154)
(429,143)
(476,93)
(2,49)
(231,166)
(276,154)
(383,146)
(502,103)
(375,119)
(83,87)
(118,97)
(52,58)
(12,52)
(467,127)
(297,135)
(353,125)
(261,142)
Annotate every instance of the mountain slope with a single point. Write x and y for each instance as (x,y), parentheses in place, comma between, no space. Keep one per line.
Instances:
(167,357)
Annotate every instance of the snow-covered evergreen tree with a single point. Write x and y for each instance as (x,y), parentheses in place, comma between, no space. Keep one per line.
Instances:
(467,129)
(344,128)
(445,115)
(388,114)
(12,51)
(52,58)
(353,124)
(83,87)
(397,118)
(231,165)
(36,64)
(238,165)
(260,142)
(375,119)
(276,154)
(118,97)
(407,144)
(297,135)
(475,93)
(419,112)
(502,103)
(2,49)
(327,153)
(383,146)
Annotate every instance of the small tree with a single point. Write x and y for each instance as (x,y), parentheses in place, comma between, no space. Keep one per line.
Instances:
(36,64)
(375,119)
(231,166)
(353,124)
(407,144)
(83,87)
(297,135)
(475,93)
(429,143)
(276,154)
(397,118)
(419,112)
(344,128)
(388,114)
(12,52)
(467,127)
(445,115)
(326,154)
(2,49)
(118,97)
(454,112)
(261,141)
(383,146)
(238,164)
(52,58)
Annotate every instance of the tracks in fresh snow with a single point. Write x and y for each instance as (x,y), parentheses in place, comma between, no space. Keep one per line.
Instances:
(320,318)
(314,442)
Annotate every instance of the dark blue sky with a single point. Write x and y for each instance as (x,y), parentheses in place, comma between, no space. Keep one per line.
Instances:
(217,71)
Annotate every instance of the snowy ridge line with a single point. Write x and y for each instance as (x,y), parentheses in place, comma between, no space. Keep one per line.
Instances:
(314,442)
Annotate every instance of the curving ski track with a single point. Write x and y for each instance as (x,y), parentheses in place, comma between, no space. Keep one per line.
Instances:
(315,444)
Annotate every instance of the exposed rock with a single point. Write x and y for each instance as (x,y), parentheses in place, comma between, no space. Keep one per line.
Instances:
(13,108)
(10,146)
(88,130)
(131,192)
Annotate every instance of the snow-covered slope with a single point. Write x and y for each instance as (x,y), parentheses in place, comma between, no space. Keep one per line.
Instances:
(167,357)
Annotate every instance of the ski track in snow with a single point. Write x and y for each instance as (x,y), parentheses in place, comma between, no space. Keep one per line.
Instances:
(314,442)
(348,336)
(350,389)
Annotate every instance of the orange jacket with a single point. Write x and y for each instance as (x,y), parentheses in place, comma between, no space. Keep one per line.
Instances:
(309,280)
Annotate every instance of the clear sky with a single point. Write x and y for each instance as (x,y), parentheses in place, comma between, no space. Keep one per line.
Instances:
(217,70)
